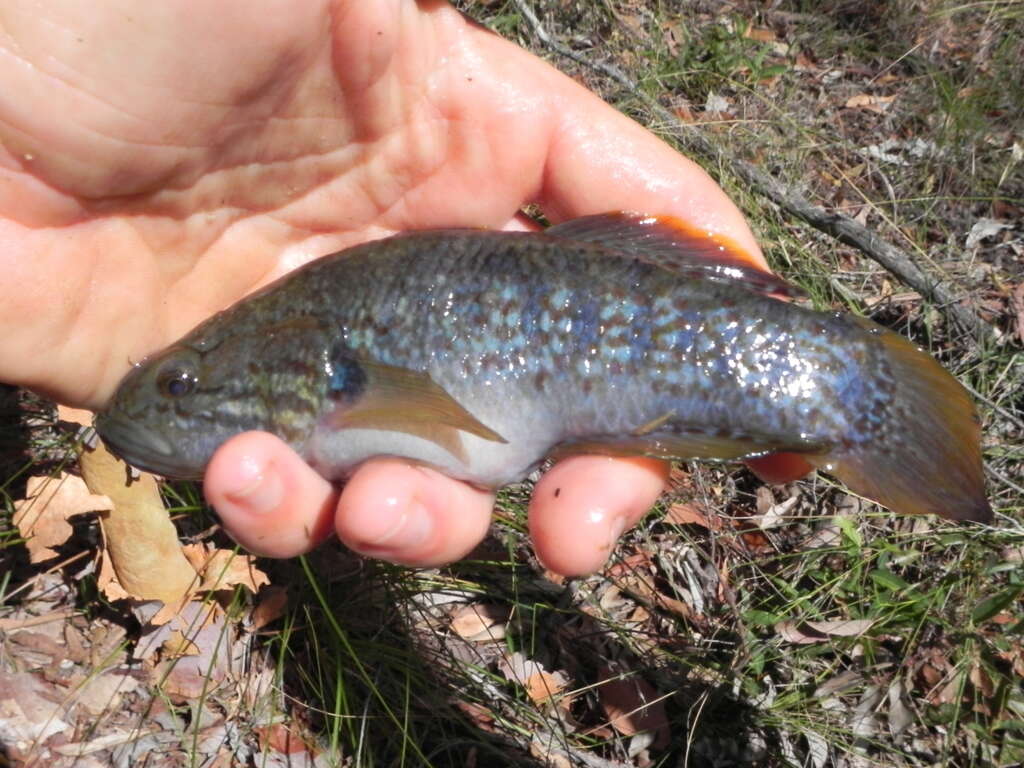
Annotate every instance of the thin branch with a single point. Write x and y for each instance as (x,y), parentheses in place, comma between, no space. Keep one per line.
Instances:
(842,227)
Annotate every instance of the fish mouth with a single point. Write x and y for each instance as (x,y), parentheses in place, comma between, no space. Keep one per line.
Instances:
(143,448)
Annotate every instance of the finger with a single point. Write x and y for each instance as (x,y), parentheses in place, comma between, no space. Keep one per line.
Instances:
(269,500)
(412,515)
(582,505)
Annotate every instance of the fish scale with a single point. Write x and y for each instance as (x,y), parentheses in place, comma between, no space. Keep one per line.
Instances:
(480,353)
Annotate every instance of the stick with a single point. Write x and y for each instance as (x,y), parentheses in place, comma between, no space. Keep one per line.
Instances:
(842,227)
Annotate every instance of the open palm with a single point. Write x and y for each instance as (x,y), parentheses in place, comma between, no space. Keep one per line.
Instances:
(160,161)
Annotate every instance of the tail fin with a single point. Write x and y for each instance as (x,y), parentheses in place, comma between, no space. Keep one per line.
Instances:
(929,461)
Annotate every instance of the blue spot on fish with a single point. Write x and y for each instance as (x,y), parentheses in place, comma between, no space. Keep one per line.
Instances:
(347,379)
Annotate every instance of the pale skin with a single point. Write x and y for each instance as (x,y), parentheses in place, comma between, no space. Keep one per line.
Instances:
(159,161)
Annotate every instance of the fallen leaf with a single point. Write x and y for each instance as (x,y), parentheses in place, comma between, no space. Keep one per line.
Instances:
(195,651)
(138,536)
(224,568)
(983,229)
(981,680)
(178,645)
(693,513)
(769,514)
(107,580)
(869,102)
(844,681)
(1014,656)
(547,754)
(900,715)
(672,36)
(760,34)
(805,632)
(271,602)
(1017,305)
(906,153)
(28,713)
(481,623)
(632,706)
(42,516)
(282,738)
(804,63)
(863,722)
(715,104)
(482,717)
(542,686)
(683,112)
(102,693)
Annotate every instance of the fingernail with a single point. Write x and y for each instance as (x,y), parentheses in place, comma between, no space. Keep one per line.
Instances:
(258,488)
(412,528)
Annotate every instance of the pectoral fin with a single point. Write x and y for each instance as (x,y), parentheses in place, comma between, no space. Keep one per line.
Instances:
(400,400)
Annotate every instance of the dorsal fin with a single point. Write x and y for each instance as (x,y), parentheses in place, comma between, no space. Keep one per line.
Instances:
(671,244)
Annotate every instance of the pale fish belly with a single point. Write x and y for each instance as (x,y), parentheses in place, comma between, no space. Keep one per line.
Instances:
(530,427)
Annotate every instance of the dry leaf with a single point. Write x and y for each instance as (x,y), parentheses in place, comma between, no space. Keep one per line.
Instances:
(481,623)
(224,568)
(107,580)
(177,644)
(845,680)
(900,715)
(482,717)
(42,517)
(1014,657)
(982,681)
(983,229)
(547,754)
(195,651)
(716,105)
(805,63)
(272,601)
(1017,305)
(693,512)
(542,686)
(869,102)
(138,535)
(770,514)
(633,706)
(760,34)
(102,693)
(806,632)
(284,739)
(863,722)
(28,712)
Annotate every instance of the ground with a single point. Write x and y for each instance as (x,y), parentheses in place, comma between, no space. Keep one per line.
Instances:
(739,624)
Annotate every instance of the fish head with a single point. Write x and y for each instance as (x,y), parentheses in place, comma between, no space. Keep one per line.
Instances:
(174,409)
(171,411)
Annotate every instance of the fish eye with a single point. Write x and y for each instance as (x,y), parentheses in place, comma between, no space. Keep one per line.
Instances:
(176,381)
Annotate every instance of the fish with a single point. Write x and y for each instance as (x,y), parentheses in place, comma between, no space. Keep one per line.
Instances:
(481,353)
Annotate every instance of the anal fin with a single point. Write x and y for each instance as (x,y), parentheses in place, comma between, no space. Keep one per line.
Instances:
(666,445)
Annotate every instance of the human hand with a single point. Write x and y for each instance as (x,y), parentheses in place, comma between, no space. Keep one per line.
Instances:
(161,161)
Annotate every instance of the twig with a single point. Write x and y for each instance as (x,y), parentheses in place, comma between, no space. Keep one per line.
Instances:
(1003,478)
(994,406)
(842,227)
(8,625)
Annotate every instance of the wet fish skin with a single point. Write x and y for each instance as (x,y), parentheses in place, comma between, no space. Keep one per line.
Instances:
(545,343)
